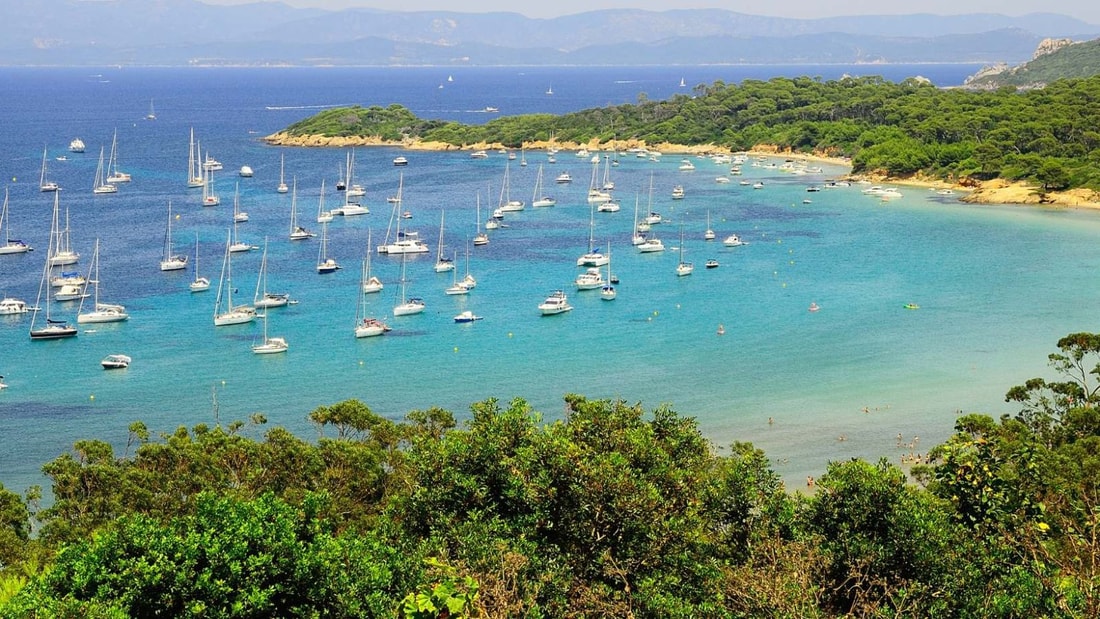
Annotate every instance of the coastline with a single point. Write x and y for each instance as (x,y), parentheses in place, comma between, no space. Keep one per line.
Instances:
(996,191)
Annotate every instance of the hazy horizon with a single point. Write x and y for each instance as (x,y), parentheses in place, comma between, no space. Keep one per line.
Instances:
(804,9)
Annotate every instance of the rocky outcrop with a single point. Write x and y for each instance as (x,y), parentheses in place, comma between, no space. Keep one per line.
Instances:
(1048,46)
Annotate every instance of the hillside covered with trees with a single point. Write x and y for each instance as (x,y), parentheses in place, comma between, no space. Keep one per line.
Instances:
(1048,137)
(612,511)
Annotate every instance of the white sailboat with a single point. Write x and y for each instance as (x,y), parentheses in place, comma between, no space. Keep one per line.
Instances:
(53,329)
(114,175)
(593,258)
(709,234)
(10,246)
(209,197)
(229,314)
(595,194)
(262,298)
(100,185)
(468,281)
(507,204)
(152,115)
(200,283)
(238,245)
(442,264)
(608,184)
(101,312)
(171,261)
(407,305)
(405,241)
(456,287)
(195,176)
(325,264)
(608,293)
(683,268)
(60,252)
(323,216)
(45,185)
(270,345)
(480,238)
(537,198)
(281,187)
(239,216)
(367,326)
(370,283)
(297,232)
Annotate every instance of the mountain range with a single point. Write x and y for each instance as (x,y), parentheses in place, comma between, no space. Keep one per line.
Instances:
(189,32)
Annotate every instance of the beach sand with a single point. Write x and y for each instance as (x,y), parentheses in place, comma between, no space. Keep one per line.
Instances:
(996,191)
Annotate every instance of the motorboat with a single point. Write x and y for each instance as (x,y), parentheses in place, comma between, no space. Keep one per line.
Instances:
(712,264)
(650,245)
(479,154)
(400,161)
(245,172)
(466,316)
(678,192)
(10,306)
(556,303)
(211,164)
(733,241)
(116,362)
(591,279)
(814,307)
(686,165)
(564,177)
(76,146)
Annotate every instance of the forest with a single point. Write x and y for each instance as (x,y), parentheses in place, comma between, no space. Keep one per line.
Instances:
(609,510)
(1048,137)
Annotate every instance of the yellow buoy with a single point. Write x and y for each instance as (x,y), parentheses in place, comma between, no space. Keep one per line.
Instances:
(456,348)
(91,397)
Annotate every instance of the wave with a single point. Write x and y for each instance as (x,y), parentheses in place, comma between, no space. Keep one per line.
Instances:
(305,107)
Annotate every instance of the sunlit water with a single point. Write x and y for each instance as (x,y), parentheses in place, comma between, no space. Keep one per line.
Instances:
(996,286)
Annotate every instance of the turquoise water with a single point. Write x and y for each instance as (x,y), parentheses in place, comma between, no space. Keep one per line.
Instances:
(997,286)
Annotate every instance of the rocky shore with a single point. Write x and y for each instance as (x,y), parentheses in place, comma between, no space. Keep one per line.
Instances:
(997,191)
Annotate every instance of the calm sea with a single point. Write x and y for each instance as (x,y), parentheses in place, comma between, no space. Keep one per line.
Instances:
(997,286)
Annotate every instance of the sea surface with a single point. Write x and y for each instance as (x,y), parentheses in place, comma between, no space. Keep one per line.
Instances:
(996,286)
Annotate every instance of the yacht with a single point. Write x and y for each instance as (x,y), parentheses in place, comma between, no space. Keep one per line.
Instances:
(245,172)
(400,161)
(678,192)
(591,279)
(556,303)
(564,177)
(11,305)
(733,241)
(225,313)
(650,245)
(115,362)
(466,316)
(76,146)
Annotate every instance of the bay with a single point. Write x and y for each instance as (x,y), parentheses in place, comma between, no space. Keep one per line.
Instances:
(997,286)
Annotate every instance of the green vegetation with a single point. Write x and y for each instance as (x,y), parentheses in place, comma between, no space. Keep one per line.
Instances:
(1048,137)
(1080,60)
(610,511)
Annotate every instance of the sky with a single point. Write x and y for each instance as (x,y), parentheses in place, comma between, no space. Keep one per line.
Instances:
(1086,10)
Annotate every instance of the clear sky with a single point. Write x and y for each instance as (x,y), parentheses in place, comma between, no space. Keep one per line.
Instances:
(1087,10)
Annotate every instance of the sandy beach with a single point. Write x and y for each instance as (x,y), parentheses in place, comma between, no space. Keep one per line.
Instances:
(996,191)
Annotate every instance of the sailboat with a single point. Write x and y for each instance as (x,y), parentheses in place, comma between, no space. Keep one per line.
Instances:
(239,216)
(507,204)
(480,238)
(100,185)
(405,241)
(325,264)
(10,246)
(607,293)
(683,268)
(297,233)
(171,261)
(43,184)
(209,198)
(231,315)
(593,258)
(595,194)
(351,188)
(442,264)
(537,199)
(323,216)
(53,329)
(367,326)
(608,184)
(152,115)
(550,90)
(352,193)
(200,283)
(407,305)
(709,234)
(114,175)
(261,298)
(281,187)
(101,312)
(456,288)
(195,177)
(238,245)
(60,252)
(522,158)
(468,281)
(370,282)
(637,238)
(269,345)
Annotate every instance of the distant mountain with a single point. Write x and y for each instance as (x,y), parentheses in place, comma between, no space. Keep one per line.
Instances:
(188,32)
(1055,59)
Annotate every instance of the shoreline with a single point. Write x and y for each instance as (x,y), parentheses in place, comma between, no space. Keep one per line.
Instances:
(993,192)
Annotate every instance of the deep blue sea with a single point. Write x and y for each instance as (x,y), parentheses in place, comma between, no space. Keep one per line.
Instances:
(997,286)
